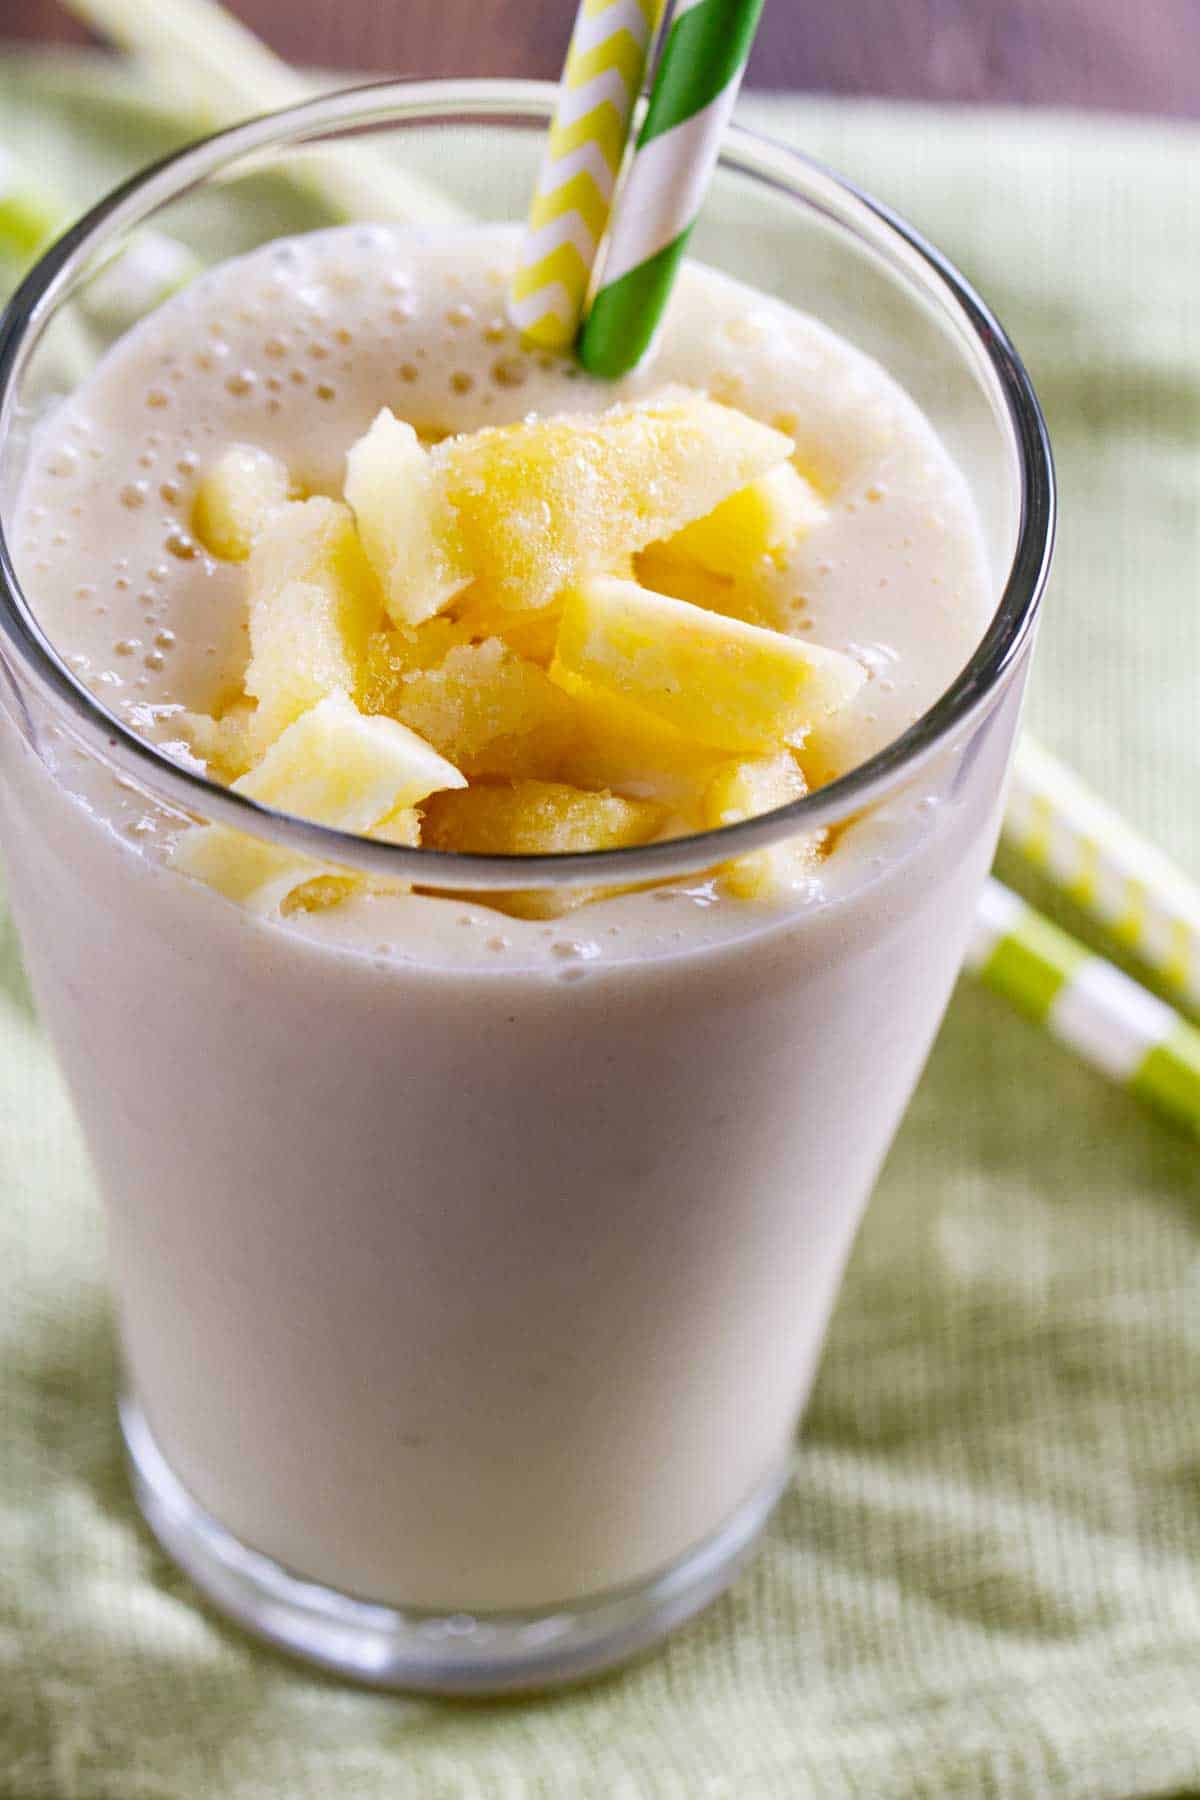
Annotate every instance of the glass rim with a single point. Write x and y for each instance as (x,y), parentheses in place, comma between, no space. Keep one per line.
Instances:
(530,103)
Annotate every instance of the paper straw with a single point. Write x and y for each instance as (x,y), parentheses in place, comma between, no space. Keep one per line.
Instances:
(1106,867)
(1088,1005)
(29,215)
(601,80)
(146,271)
(699,73)
(215,68)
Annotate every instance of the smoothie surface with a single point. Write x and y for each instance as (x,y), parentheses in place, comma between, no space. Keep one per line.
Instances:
(294,350)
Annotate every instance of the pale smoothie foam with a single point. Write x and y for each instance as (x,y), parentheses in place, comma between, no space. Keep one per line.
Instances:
(471,1258)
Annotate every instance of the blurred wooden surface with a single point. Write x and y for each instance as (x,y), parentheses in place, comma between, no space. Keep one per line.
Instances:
(1108,53)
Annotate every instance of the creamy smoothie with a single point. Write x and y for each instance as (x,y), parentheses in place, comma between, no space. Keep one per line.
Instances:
(470,1261)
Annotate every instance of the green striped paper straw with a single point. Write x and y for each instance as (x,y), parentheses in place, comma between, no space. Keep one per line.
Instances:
(699,73)
(1127,1034)
(1102,864)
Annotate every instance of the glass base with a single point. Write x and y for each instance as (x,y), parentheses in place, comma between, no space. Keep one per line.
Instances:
(457,1653)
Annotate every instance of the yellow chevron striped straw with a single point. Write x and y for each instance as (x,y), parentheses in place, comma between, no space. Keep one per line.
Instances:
(1105,866)
(610,47)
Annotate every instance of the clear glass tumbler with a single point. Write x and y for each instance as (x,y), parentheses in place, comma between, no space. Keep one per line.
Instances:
(467,1322)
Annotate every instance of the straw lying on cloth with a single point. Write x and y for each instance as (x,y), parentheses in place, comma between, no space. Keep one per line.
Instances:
(210,65)
(1087,1004)
(1105,866)
(699,73)
(581,162)
(29,216)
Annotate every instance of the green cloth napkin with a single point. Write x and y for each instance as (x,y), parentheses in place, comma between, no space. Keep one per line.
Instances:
(985,1577)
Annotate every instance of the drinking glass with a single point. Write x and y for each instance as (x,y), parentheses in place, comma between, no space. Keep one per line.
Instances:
(468,1316)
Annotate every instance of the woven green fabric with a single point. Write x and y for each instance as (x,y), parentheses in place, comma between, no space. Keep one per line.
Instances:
(985,1577)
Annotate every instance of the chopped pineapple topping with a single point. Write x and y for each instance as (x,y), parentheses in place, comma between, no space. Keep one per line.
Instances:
(543,638)
(334,766)
(745,598)
(236,498)
(541,503)
(743,791)
(759,521)
(405,525)
(494,713)
(538,818)
(531,634)
(619,746)
(313,605)
(717,680)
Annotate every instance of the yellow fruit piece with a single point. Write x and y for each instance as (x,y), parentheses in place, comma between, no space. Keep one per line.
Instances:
(224,745)
(401,827)
(717,680)
(335,766)
(665,574)
(236,498)
(541,503)
(491,712)
(398,651)
(743,791)
(615,745)
(314,603)
(319,894)
(406,528)
(538,818)
(760,521)
(531,634)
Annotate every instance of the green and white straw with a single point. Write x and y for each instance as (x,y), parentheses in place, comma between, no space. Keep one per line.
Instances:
(1109,1021)
(699,73)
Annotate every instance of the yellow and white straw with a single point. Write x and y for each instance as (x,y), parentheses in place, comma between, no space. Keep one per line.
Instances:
(606,61)
(1106,867)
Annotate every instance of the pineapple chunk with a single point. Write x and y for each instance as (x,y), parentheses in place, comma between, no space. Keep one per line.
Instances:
(333,765)
(537,818)
(488,710)
(318,895)
(743,791)
(236,498)
(616,745)
(405,526)
(664,574)
(541,503)
(395,652)
(223,744)
(758,522)
(313,605)
(531,634)
(401,827)
(717,680)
